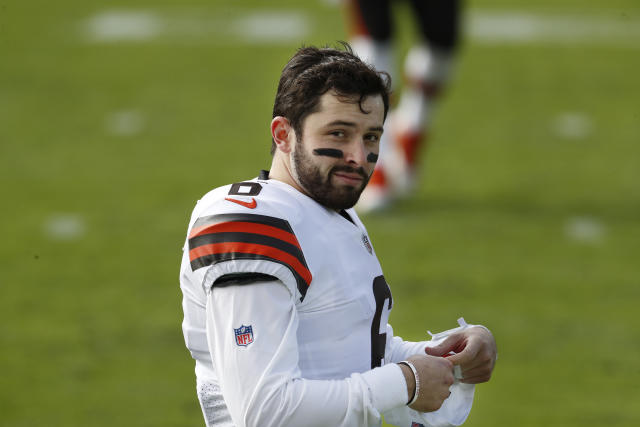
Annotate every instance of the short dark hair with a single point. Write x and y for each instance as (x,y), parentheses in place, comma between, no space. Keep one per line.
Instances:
(313,71)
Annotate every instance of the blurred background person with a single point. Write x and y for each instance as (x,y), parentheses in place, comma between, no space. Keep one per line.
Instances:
(426,70)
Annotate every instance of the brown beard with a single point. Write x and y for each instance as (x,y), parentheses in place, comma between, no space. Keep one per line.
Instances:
(320,188)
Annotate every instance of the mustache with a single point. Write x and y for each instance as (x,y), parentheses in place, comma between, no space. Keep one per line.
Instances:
(360,171)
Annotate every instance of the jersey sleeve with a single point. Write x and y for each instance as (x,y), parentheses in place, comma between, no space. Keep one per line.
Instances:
(398,349)
(259,374)
(233,243)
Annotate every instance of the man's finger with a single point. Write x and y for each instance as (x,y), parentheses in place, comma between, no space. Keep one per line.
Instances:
(473,364)
(476,379)
(449,344)
(465,356)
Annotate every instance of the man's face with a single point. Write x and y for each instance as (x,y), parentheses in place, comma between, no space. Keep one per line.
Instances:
(336,153)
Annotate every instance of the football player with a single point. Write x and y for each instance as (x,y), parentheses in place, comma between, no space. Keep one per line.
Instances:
(427,69)
(285,303)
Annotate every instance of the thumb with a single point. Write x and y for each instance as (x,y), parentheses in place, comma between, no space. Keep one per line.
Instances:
(458,358)
(465,356)
(443,348)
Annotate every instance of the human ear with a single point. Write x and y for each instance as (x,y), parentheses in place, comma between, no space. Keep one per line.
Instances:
(282,133)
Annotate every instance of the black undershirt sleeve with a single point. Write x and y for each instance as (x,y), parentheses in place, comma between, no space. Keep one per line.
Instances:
(242,279)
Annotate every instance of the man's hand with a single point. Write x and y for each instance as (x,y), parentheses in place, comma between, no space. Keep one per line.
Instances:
(435,375)
(475,350)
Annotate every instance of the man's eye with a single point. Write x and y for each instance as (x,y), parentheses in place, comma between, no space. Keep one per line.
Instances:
(337,133)
(372,138)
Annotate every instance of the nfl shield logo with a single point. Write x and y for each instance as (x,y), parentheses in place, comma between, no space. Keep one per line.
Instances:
(367,245)
(244,335)
(415,424)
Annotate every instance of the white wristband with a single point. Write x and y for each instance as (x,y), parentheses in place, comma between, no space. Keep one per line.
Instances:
(415,375)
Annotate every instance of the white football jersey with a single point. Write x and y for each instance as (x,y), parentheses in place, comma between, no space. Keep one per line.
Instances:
(285,312)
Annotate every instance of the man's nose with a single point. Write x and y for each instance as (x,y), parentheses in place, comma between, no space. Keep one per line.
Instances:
(356,153)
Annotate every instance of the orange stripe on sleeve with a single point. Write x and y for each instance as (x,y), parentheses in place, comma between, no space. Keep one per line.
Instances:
(246,227)
(255,249)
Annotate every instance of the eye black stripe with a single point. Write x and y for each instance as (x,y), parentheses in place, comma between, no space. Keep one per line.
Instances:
(329,152)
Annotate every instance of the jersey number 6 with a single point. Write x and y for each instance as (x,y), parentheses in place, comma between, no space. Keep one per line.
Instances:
(381,293)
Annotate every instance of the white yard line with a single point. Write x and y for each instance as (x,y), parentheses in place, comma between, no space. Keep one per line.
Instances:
(121,26)
(584,229)
(125,123)
(268,26)
(512,27)
(245,27)
(572,125)
(67,227)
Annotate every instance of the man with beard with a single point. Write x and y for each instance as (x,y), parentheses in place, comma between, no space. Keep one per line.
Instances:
(285,304)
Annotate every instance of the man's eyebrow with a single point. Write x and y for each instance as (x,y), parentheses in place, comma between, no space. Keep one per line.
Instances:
(351,124)
(341,123)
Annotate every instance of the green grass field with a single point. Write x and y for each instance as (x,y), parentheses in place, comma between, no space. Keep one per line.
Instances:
(527,217)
